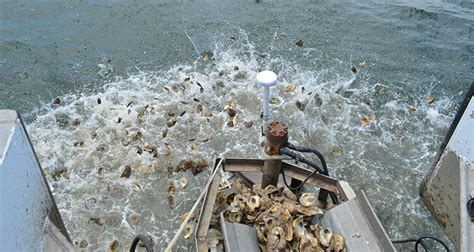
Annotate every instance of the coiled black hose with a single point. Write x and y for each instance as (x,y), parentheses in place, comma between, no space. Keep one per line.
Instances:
(310,150)
(419,241)
(147,243)
(299,158)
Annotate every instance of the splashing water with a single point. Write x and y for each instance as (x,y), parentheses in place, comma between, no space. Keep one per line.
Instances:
(379,137)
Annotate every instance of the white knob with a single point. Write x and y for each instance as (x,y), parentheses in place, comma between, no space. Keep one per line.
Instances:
(266,78)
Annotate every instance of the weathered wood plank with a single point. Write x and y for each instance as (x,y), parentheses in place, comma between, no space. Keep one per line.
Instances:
(206,213)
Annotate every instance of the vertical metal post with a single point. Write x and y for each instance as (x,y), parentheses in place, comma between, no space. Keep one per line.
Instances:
(271,170)
(266,79)
(276,135)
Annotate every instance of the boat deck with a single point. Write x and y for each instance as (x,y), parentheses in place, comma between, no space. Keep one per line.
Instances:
(354,217)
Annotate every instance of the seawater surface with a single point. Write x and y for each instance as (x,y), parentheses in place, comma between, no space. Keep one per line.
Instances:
(122,68)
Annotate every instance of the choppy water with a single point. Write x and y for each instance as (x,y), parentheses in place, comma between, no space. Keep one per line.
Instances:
(136,57)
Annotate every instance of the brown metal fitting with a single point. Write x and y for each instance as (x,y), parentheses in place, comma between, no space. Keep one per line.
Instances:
(277,136)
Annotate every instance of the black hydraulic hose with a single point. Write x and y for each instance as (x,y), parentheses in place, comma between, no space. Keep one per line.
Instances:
(405,240)
(299,158)
(310,150)
(300,185)
(147,243)
(419,241)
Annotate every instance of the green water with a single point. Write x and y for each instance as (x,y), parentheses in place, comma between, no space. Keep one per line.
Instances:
(122,52)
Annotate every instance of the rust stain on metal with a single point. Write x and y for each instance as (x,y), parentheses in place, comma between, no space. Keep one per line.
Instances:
(277,136)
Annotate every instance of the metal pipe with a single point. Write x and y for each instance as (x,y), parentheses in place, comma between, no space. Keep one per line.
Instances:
(266,102)
(276,135)
(271,171)
(266,79)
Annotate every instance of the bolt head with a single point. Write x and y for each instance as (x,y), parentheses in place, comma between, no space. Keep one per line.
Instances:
(277,129)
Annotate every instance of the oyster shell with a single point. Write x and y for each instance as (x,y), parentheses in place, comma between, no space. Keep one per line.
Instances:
(240,201)
(199,167)
(305,244)
(126,140)
(290,205)
(248,124)
(188,231)
(315,228)
(287,230)
(230,198)
(114,246)
(281,213)
(251,218)
(127,171)
(262,238)
(144,167)
(253,202)
(299,228)
(221,198)
(276,207)
(261,216)
(135,135)
(313,240)
(171,193)
(325,236)
(277,198)
(257,189)
(309,211)
(185,215)
(308,199)
(136,187)
(184,165)
(265,203)
(164,150)
(338,243)
(271,189)
(275,240)
(149,148)
(240,185)
(289,194)
(271,222)
(233,216)
(183,181)
(290,88)
(133,218)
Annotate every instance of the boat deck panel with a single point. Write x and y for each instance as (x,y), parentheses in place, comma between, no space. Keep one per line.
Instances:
(357,222)
(239,237)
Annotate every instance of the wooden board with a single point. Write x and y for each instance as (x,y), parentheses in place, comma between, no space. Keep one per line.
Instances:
(206,212)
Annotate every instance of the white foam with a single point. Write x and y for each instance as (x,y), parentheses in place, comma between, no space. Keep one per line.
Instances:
(374,157)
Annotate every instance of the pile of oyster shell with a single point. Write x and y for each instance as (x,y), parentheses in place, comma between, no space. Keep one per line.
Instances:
(282,219)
